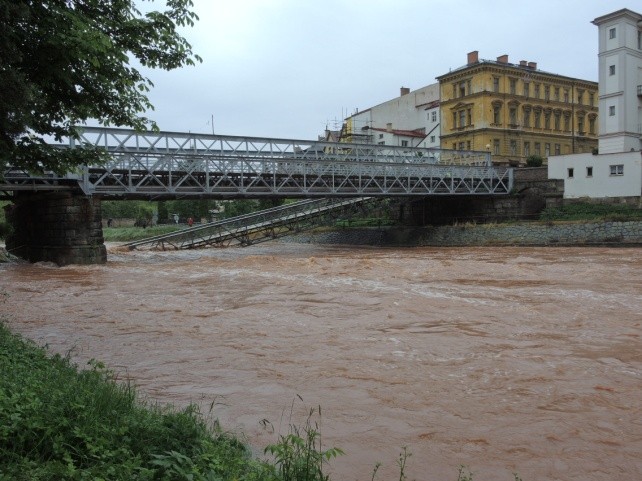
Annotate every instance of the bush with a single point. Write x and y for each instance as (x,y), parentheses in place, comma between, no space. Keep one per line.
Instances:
(534,161)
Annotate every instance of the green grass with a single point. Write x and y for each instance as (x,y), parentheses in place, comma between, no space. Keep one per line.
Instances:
(591,212)
(126,234)
(58,423)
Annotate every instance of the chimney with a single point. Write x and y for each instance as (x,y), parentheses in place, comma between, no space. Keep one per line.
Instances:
(404,91)
(389,126)
(532,65)
(473,57)
(503,59)
(523,63)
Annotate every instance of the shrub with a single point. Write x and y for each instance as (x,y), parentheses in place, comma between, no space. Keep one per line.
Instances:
(534,161)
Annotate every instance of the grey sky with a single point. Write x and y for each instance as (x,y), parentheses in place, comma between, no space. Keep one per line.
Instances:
(288,68)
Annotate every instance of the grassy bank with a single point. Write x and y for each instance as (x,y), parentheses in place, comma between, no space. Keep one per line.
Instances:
(58,423)
(592,212)
(126,234)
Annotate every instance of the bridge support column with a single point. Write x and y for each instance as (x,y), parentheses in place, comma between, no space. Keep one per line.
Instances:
(65,228)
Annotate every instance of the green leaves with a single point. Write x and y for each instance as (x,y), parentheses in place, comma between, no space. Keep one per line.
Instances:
(64,63)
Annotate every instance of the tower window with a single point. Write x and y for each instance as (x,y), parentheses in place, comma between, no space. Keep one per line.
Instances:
(612,32)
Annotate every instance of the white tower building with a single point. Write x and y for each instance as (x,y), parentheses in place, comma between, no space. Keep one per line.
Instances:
(620,81)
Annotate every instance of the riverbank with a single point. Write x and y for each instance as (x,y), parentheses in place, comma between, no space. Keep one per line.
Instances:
(626,233)
(62,423)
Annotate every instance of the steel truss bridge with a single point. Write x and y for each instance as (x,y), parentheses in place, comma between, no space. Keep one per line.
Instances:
(170,165)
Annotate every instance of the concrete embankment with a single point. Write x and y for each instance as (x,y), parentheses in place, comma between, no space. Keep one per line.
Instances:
(526,234)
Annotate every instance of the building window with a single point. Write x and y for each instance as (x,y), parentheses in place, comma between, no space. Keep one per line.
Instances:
(527,118)
(558,116)
(589,171)
(592,125)
(612,32)
(496,115)
(513,86)
(617,169)
(381,136)
(496,85)
(513,116)
(611,69)
(591,99)
(570,172)
(547,92)
(536,91)
(468,145)
(580,124)
(454,120)
(557,94)
(538,150)
(434,116)
(462,118)
(496,146)
(558,149)
(461,145)
(580,96)
(538,119)
(432,139)
(382,143)
(611,110)
(527,89)
(547,120)
(567,122)
(404,143)
(454,146)
(513,147)
(462,89)
(527,149)
(547,149)
(566,95)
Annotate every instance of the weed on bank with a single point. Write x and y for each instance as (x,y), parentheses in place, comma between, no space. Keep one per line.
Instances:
(59,423)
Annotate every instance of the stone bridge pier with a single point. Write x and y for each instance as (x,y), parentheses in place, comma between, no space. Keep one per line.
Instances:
(60,227)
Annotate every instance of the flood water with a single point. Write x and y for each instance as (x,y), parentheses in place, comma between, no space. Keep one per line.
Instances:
(524,360)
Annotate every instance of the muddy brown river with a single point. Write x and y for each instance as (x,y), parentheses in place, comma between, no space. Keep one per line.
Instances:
(525,360)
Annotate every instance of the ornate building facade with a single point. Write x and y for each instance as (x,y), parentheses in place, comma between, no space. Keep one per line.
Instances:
(515,111)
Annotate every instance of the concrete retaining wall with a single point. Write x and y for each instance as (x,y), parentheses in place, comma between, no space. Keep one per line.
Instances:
(526,234)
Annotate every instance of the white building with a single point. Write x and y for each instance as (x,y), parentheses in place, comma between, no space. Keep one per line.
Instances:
(617,170)
(412,119)
(620,81)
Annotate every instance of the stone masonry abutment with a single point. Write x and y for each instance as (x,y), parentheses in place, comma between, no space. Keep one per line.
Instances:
(60,227)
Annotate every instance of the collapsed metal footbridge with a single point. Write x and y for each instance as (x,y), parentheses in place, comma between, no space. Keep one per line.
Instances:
(260,226)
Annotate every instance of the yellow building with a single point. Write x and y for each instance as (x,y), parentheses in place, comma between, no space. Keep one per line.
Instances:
(515,111)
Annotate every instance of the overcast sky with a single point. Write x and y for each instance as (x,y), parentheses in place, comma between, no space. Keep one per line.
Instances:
(289,68)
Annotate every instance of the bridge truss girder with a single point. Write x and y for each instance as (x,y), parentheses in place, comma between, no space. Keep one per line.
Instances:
(156,165)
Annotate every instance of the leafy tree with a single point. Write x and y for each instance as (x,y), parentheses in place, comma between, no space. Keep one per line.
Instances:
(63,62)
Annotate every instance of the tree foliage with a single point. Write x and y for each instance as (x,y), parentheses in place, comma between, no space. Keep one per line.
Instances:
(64,62)
(534,161)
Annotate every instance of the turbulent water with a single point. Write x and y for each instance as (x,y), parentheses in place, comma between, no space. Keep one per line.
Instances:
(524,360)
